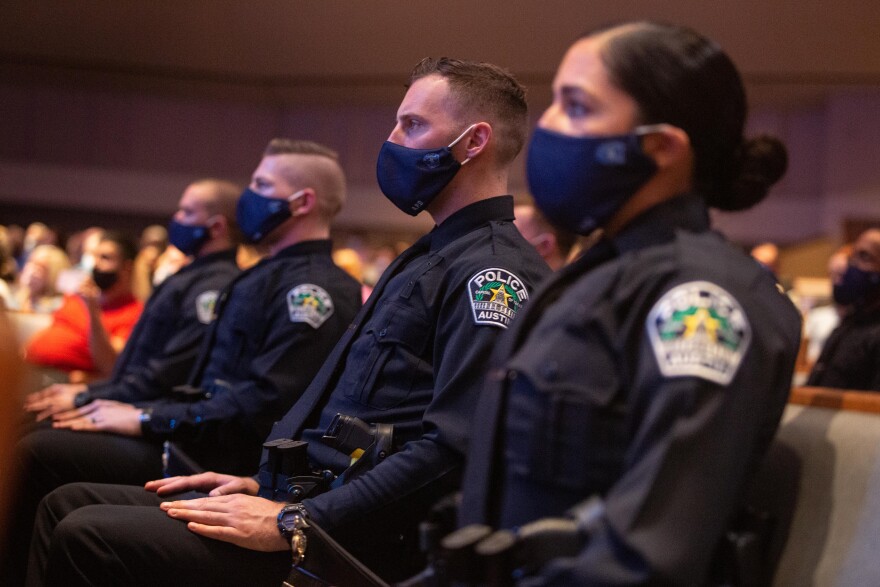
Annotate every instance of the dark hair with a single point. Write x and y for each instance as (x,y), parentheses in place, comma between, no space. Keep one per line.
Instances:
(679,77)
(123,242)
(488,91)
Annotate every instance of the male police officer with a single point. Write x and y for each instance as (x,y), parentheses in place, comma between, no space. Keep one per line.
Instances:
(413,358)
(164,344)
(275,325)
(159,353)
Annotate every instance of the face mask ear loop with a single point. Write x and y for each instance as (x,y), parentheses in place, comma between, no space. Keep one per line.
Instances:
(461,136)
(294,197)
(647,129)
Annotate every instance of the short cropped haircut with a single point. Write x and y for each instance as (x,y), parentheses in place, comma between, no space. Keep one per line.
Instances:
(223,202)
(319,169)
(486,91)
(123,242)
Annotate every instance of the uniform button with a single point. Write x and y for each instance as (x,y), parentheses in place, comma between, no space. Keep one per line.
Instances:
(383,332)
(512,374)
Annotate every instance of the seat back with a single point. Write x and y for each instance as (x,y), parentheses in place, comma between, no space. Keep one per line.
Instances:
(826,461)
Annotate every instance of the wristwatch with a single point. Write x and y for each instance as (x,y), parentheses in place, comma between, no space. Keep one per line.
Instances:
(292,523)
(144,418)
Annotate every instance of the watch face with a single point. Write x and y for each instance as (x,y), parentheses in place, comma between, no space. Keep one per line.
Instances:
(290,518)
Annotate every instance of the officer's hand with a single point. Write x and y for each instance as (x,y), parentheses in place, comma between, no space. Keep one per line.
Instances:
(102,416)
(213,484)
(54,399)
(244,520)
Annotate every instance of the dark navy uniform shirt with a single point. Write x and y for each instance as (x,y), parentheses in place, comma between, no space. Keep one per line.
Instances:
(652,373)
(850,358)
(415,357)
(165,341)
(275,325)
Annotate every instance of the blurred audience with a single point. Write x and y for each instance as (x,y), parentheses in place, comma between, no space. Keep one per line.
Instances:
(36,234)
(91,327)
(37,286)
(820,322)
(851,356)
(154,240)
(350,260)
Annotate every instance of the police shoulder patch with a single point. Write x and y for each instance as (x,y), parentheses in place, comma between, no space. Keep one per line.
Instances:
(205,303)
(496,295)
(310,304)
(698,329)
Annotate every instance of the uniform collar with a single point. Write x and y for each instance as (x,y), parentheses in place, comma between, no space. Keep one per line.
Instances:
(227,254)
(659,224)
(471,217)
(311,247)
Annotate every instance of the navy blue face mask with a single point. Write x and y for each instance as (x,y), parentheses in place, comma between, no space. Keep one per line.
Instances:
(188,239)
(580,182)
(857,287)
(258,215)
(411,178)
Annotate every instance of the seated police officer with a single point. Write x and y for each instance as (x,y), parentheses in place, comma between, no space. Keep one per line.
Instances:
(641,387)
(165,342)
(274,326)
(159,353)
(413,359)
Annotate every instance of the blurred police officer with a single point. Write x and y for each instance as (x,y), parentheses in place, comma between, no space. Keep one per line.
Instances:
(274,326)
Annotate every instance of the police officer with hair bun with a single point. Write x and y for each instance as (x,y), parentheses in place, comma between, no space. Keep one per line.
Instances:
(651,374)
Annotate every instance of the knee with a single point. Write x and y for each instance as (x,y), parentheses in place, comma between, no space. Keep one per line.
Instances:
(76,548)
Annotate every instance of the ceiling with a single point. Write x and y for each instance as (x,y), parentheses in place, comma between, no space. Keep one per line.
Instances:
(318,50)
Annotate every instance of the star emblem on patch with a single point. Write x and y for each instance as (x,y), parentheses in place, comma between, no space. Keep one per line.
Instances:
(496,295)
(205,304)
(698,329)
(309,303)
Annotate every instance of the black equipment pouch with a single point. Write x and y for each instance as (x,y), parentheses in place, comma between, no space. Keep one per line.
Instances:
(476,555)
(287,475)
(366,444)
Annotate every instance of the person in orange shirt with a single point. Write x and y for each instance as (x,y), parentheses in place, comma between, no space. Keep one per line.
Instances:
(89,329)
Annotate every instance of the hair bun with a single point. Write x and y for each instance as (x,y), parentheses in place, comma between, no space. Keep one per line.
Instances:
(763,162)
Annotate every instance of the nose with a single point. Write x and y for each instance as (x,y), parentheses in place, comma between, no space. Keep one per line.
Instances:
(396,135)
(551,119)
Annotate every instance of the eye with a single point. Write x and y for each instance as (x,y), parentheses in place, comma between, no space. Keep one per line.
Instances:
(575,108)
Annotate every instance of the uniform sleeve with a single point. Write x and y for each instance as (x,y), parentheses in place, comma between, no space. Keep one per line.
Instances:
(693,441)
(276,375)
(461,350)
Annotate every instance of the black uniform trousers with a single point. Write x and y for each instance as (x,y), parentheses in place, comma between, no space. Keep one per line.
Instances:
(66,534)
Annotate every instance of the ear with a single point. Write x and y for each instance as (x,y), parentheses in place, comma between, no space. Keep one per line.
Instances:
(303,205)
(218,226)
(667,146)
(479,139)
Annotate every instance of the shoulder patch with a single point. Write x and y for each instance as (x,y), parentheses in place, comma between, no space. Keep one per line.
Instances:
(496,295)
(310,304)
(698,329)
(205,303)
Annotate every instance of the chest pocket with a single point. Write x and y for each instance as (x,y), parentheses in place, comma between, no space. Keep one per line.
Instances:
(396,362)
(566,421)
(243,335)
